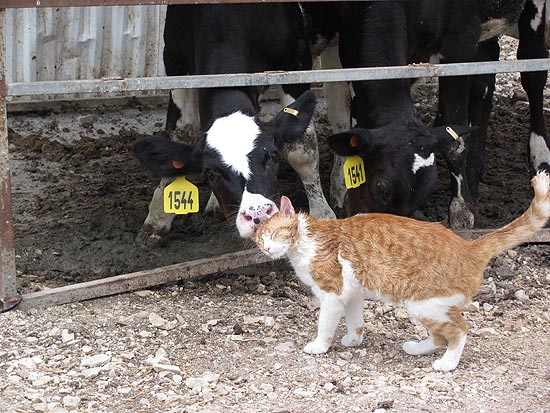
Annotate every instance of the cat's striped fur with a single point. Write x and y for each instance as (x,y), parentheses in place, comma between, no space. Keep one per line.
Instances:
(424,266)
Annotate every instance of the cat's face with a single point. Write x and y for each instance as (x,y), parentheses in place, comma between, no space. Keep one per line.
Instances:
(276,236)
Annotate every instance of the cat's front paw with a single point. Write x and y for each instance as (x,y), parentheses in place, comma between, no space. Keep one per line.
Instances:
(316,347)
(444,365)
(352,340)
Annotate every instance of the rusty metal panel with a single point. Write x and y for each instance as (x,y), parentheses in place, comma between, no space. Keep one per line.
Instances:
(8,289)
(80,43)
(72,3)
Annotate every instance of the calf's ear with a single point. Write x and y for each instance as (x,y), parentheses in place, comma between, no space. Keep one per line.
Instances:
(166,158)
(350,142)
(445,135)
(291,123)
(452,142)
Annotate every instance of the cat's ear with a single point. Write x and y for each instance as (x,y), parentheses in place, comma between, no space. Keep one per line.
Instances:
(286,209)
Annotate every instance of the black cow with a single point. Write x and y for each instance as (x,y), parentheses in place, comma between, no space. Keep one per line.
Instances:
(396,147)
(238,153)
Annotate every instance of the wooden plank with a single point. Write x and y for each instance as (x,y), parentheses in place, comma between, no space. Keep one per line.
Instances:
(143,279)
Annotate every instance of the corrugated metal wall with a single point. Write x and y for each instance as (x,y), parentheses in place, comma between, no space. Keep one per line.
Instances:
(84,43)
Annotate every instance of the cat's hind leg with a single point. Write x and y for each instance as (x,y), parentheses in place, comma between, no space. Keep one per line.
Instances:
(330,313)
(454,333)
(354,321)
(424,347)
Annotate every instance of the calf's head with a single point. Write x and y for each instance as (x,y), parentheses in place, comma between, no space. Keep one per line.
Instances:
(399,163)
(239,155)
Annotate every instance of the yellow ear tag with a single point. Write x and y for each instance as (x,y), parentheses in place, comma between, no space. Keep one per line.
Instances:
(354,172)
(181,197)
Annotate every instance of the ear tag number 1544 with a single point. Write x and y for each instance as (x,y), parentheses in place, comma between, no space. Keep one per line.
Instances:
(354,172)
(181,197)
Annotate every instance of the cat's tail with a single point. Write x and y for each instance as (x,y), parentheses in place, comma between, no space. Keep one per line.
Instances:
(523,227)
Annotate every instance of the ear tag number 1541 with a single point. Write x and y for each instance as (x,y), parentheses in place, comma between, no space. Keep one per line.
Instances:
(181,197)
(354,172)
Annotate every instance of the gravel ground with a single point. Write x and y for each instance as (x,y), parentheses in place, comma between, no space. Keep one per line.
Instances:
(232,342)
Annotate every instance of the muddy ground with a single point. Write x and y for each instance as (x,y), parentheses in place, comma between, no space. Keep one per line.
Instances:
(232,342)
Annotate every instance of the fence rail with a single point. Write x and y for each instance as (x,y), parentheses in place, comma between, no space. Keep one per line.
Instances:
(8,292)
(273,78)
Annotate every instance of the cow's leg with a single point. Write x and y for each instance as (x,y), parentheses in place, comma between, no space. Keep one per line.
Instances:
(531,46)
(182,122)
(454,94)
(481,103)
(338,100)
(303,157)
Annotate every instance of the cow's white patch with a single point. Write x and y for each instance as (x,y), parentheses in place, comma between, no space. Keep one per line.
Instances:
(187,101)
(420,162)
(234,137)
(540,153)
(286,99)
(436,308)
(537,20)
(495,27)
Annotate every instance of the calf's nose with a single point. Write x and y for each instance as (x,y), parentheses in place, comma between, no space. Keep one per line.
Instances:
(260,213)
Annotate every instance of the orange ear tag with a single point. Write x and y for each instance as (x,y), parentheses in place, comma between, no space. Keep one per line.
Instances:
(354,172)
(177,164)
(354,141)
(181,197)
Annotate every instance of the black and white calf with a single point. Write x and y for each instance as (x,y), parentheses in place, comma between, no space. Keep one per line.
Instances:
(238,153)
(398,149)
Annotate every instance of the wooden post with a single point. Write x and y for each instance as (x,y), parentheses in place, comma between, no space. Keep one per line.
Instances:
(8,290)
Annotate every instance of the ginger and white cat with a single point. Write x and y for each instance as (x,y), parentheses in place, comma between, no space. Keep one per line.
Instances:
(424,266)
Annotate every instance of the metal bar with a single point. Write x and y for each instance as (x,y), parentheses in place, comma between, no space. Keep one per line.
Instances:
(8,289)
(277,78)
(142,279)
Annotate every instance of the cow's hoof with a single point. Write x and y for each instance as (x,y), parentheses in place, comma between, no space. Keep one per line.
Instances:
(147,238)
(460,215)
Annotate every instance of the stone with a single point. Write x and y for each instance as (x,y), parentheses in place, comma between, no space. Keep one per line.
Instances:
(177,379)
(71,402)
(91,372)
(166,367)
(159,322)
(522,296)
(66,336)
(124,390)
(95,361)
(54,332)
(487,331)
(266,388)
(143,293)
(488,307)
(400,313)
(26,364)
(329,386)
(473,307)
(40,407)
(285,347)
